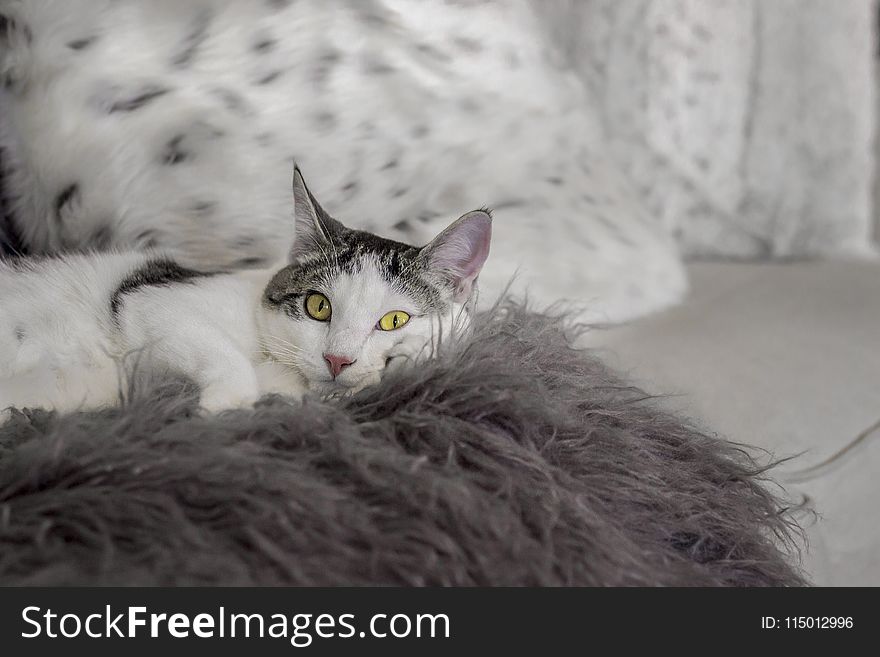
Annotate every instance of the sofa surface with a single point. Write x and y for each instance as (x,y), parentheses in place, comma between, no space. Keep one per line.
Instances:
(785,357)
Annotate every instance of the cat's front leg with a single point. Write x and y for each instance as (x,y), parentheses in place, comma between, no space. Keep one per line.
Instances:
(230,384)
(224,374)
(275,378)
(229,392)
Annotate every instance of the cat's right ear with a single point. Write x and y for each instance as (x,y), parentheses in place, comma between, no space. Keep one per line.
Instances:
(313,227)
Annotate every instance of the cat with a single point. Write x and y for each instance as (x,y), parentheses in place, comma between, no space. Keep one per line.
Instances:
(347,305)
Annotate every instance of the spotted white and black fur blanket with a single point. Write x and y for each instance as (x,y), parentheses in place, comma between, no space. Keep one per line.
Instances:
(173,125)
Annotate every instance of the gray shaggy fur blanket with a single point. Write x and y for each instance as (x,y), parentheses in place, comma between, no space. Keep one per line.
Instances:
(512,459)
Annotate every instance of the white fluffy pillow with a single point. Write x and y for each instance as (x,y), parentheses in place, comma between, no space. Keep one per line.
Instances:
(175,125)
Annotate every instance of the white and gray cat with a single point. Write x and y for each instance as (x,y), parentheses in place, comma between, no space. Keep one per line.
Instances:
(346,305)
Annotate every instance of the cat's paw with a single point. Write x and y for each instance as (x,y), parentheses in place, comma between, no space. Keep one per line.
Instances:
(221,397)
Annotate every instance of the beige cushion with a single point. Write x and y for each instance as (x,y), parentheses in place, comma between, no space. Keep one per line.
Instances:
(785,357)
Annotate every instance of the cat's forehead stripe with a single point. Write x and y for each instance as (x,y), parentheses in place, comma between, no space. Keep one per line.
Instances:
(349,253)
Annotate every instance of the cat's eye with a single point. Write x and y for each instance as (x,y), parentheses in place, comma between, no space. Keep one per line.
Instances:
(318,306)
(393,320)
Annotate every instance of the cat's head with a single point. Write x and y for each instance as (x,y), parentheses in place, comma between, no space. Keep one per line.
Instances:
(351,303)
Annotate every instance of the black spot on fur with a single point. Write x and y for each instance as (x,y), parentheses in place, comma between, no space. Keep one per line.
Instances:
(403,225)
(469,105)
(269,78)
(11,32)
(375,65)
(468,44)
(174,153)
(605,221)
(67,196)
(325,121)
(203,208)
(324,66)
(554,180)
(158,272)
(208,130)
(82,44)
(20,333)
(10,25)
(232,100)
(250,262)
(145,96)
(430,51)
(102,238)
(11,242)
(390,164)
(190,45)
(350,189)
(398,192)
(264,45)
(147,239)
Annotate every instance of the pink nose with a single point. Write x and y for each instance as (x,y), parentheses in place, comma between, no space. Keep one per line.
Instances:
(337,363)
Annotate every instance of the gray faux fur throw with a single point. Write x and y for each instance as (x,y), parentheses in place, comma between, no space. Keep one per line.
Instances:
(513,459)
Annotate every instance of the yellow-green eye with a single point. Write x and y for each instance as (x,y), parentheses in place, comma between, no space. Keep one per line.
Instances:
(318,307)
(393,320)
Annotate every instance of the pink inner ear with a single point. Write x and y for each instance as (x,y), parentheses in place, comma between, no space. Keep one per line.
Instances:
(462,248)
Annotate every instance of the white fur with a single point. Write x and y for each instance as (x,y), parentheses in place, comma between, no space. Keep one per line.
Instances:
(73,355)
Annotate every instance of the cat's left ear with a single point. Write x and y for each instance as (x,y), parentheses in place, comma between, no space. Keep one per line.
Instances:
(460,251)
(314,227)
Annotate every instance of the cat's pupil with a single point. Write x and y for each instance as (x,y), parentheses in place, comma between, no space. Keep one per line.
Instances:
(394,321)
(321,305)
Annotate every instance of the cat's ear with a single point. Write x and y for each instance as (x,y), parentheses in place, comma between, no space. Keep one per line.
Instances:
(314,227)
(460,251)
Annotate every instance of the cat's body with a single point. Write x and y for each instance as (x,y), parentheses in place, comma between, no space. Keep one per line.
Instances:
(73,328)
(70,326)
